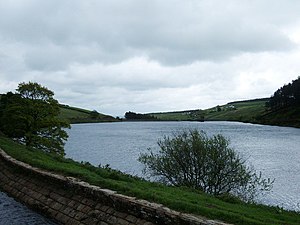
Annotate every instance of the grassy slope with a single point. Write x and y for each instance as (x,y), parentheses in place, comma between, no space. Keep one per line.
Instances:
(179,115)
(252,111)
(245,111)
(77,115)
(283,117)
(181,199)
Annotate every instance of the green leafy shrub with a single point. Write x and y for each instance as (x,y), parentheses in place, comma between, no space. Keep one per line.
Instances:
(192,159)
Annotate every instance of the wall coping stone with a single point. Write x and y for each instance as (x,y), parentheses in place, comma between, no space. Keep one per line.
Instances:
(140,208)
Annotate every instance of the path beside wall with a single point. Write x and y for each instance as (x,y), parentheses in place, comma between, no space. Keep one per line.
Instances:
(71,201)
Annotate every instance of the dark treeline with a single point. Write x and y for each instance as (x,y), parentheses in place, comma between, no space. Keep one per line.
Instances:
(138,116)
(250,100)
(286,96)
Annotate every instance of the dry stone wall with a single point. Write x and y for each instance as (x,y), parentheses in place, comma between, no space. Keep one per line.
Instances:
(71,201)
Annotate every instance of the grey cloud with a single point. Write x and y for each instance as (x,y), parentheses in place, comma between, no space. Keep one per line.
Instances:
(170,32)
(113,55)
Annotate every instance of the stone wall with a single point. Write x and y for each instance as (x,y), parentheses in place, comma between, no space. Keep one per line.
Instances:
(71,201)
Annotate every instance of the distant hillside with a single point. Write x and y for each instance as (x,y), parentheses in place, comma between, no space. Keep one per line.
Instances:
(245,111)
(187,115)
(77,115)
(289,116)
(250,111)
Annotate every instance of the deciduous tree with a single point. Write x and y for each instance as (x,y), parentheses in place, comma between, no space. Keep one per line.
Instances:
(193,159)
(31,117)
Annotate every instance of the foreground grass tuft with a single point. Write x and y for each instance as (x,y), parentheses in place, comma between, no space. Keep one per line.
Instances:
(183,199)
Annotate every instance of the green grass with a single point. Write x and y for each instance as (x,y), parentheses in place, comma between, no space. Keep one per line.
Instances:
(181,199)
(179,115)
(284,117)
(247,111)
(77,115)
(250,111)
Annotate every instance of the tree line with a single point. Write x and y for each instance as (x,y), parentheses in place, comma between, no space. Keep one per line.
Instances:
(138,116)
(286,96)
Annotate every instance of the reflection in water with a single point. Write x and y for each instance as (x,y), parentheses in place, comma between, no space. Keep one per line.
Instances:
(273,150)
(14,213)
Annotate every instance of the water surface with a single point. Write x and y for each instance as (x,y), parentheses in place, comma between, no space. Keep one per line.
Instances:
(273,150)
(14,213)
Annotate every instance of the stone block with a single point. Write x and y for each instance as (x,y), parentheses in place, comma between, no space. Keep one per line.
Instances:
(44,191)
(101,207)
(77,198)
(73,213)
(71,201)
(57,206)
(102,223)
(63,200)
(88,202)
(67,210)
(52,212)
(110,211)
(148,223)
(120,215)
(90,221)
(79,215)
(73,204)
(112,220)
(143,222)
(122,222)
(54,196)
(73,222)
(80,207)
(131,219)
(62,218)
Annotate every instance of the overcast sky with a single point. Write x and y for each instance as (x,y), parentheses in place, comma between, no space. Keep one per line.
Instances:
(150,55)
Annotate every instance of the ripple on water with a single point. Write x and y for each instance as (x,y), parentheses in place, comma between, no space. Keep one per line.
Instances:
(270,149)
(14,213)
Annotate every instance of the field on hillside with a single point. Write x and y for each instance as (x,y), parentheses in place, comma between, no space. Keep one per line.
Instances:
(289,116)
(180,115)
(249,111)
(245,111)
(77,115)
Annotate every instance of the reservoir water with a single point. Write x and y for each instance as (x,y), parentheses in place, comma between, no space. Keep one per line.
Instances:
(273,150)
(14,213)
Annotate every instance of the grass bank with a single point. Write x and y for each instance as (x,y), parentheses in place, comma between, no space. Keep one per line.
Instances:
(249,111)
(242,111)
(78,115)
(289,116)
(181,199)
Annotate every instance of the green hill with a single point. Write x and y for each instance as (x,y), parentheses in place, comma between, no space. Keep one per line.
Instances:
(187,115)
(255,111)
(249,111)
(243,111)
(78,115)
(289,116)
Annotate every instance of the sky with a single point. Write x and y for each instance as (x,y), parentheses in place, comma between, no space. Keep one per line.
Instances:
(144,56)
